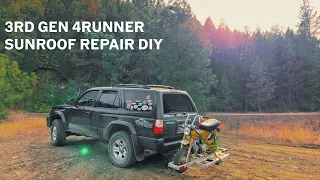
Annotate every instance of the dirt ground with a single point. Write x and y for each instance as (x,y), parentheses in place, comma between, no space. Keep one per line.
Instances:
(29,155)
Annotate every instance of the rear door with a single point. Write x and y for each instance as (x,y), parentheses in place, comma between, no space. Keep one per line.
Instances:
(106,110)
(176,107)
(139,109)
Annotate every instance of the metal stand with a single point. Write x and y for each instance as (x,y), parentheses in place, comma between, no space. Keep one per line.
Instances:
(203,161)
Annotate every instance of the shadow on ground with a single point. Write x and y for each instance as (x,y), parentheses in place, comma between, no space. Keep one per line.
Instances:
(99,149)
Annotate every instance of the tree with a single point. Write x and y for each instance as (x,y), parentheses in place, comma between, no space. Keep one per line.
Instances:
(260,87)
(224,97)
(310,20)
(307,53)
(14,84)
(210,30)
(222,69)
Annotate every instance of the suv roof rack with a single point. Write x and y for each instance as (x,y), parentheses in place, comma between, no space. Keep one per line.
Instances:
(160,86)
(133,86)
(144,86)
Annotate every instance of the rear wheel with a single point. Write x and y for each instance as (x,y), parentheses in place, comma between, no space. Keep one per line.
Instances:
(180,158)
(121,150)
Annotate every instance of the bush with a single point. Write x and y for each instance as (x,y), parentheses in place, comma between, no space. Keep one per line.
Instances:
(48,94)
(14,85)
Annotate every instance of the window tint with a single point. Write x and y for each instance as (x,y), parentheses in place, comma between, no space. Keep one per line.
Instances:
(88,99)
(137,101)
(109,99)
(176,103)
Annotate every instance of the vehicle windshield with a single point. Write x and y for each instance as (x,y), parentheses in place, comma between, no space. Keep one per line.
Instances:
(177,103)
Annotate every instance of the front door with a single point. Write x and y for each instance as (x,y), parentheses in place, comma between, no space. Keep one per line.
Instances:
(81,115)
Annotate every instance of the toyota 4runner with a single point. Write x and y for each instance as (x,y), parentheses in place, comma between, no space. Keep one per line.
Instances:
(131,118)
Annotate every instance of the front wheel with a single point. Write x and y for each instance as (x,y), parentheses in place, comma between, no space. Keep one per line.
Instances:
(180,158)
(121,150)
(58,135)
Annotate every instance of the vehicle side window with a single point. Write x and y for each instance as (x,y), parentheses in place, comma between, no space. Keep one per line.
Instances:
(88,99)
(139,101)
(109,99)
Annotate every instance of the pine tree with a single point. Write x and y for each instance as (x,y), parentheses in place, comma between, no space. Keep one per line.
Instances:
(290,67)
(307,52)
(260,87)
(210,30)
(310,20)
(226,93)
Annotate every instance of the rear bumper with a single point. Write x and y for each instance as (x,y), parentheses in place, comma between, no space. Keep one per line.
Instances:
(157,144)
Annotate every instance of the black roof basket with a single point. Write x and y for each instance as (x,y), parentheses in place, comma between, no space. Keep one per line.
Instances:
(144,86)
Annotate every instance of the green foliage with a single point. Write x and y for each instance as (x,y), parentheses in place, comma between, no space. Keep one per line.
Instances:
(224,101)
(223,70)
(48,94)
(260,87)
(14,85)
(268,70)
(183,47)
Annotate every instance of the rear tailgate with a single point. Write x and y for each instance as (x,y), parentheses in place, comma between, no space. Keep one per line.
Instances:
(173,127)
(175,107)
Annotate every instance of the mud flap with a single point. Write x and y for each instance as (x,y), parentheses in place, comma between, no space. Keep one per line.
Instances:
(139,153)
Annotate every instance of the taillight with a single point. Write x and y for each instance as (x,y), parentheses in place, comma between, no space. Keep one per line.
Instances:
(158,127)
(182,167)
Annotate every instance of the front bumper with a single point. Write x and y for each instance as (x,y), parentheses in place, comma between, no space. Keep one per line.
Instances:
(157,144)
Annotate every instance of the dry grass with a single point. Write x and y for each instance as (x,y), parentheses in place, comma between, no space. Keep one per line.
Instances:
(295,132)
(293,128)
(21,123)
(298,129)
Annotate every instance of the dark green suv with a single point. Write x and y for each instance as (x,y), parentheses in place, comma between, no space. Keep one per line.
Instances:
(130,117)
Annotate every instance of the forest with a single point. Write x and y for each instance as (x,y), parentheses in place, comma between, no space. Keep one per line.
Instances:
(224,70)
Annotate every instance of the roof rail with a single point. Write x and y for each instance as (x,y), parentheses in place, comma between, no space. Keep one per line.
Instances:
(132,86)
(160,86)
(144,86)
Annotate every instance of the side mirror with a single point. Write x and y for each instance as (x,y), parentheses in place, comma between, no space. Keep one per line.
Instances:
(71,102)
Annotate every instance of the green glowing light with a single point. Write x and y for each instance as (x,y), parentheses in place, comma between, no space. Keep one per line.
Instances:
(84,151)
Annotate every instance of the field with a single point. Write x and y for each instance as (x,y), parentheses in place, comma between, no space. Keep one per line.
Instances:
(300,129)
(26,152)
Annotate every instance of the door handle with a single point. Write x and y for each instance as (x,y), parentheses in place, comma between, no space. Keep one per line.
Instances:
(87,113)
(114,117)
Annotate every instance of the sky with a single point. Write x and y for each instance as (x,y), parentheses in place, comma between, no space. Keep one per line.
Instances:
(253,13)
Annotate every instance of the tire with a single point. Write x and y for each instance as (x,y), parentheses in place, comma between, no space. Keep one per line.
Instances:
(120,150)
(58,135)
(180,158)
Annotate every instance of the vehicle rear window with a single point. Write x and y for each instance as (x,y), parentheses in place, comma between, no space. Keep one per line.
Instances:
(176,103)
(138,101)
